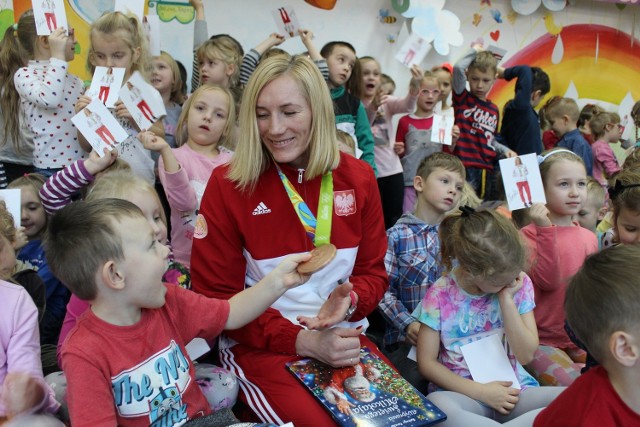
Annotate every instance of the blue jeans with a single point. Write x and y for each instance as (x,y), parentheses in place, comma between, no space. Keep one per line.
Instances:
(482,181)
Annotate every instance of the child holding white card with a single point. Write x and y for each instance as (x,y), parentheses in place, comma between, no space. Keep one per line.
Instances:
(485,293)
(205,124)
(558,247)
(117,40)
(45,91)
(413,136)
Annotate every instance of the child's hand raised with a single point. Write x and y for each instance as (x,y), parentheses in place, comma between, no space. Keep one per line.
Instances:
(539,215)
(152,142)
(58,43)
(83,101)
(21,239)
(96,164)
(416,76)
(123,113)
(500,396)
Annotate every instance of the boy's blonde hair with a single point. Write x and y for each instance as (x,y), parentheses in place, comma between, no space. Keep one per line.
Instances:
(176,86)
(440,160)
(252,158)
(557,107)
(225,50)
(182,136)
(604,297)
(484,243)
(129,28)
(484,62)
(82,237)
(595,191)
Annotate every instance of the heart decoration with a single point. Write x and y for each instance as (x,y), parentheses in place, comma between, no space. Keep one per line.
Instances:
(495,35)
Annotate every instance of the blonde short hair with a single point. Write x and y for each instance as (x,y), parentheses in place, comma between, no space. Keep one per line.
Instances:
(252,158)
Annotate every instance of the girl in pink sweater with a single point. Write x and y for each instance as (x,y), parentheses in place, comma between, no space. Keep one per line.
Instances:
(558,247)
(606,129)
(205,124)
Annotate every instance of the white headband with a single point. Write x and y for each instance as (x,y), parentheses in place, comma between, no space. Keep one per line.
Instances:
(561,150)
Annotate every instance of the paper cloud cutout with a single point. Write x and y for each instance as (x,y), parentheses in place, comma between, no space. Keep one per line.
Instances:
(435,25)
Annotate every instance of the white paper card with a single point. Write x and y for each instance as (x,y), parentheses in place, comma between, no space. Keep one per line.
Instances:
(522,181)
(286,21)
(498,52)
(413,51)
(135,7)
(143,101)
(441,129)
(488,361)
(99,127)
(11,198)
(413,354)
(106,84)
(197,347)
(151,26)
(49,15)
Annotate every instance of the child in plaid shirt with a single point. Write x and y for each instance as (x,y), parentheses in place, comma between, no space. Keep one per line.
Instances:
(413,257)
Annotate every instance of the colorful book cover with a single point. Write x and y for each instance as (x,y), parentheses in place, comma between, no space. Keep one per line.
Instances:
(366,395)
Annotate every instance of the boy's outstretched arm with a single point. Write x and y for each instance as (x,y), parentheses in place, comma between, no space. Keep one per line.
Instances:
(460,70)
(252,302)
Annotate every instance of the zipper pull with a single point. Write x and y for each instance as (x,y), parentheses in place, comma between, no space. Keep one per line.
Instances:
(300,175)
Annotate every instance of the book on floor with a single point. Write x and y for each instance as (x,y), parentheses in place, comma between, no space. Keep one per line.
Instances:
(370,393)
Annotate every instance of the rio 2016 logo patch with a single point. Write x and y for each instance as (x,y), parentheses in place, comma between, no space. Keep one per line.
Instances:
(200,230)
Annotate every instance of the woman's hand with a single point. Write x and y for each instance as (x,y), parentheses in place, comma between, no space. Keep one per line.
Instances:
(333,310)
(336,347)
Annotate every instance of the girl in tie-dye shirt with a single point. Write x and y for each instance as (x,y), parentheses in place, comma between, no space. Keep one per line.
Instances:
(485,294)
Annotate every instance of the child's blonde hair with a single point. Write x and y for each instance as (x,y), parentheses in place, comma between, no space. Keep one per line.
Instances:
(484,62)
(625,191)
(7,229)
(176,86)
(223,49)
(551,157)
(557,107)
(347,140)
(182,135)
(595,191)
(598,123)
(120,184)
(16,47)
(130,29)
(483,242)
(604,297)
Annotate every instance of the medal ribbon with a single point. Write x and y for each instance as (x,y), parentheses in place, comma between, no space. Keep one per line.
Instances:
(318,230)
